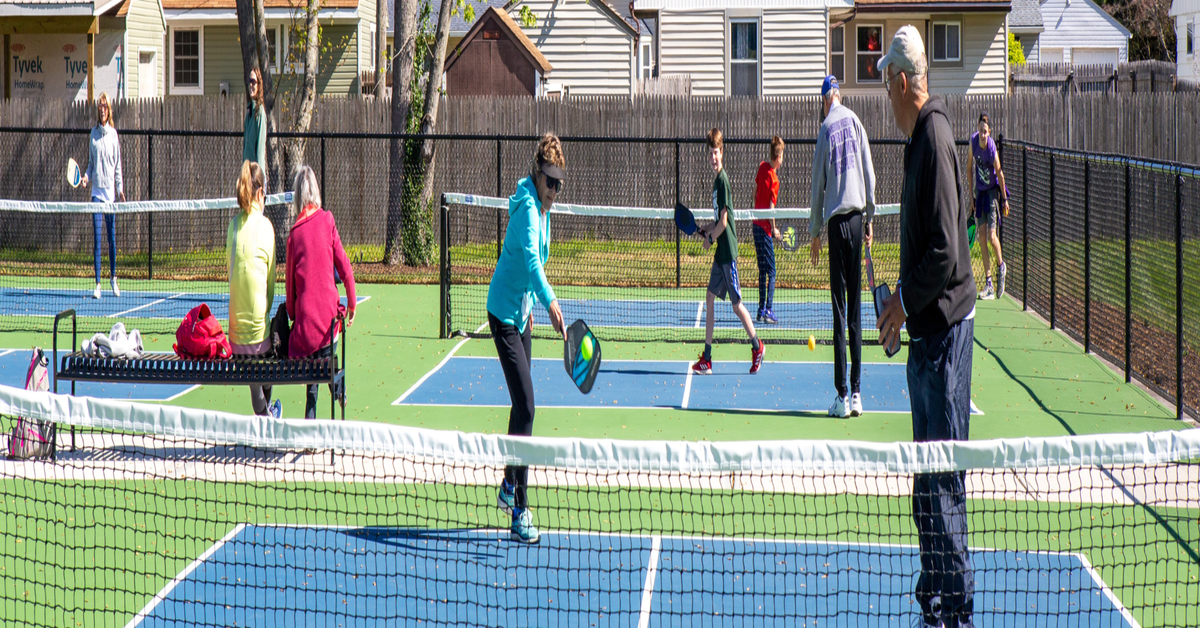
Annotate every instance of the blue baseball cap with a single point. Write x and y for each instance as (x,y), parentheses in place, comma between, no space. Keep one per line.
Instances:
(829,85)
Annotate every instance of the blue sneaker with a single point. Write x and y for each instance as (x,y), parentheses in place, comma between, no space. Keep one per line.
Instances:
(275,409)
(768,316)
(506,500)
(522,527)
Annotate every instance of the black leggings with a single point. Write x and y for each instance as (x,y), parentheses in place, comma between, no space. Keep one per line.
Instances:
(310,398)
(515,350)
(845,282)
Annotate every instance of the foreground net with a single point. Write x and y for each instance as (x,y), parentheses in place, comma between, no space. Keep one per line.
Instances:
(632,275)
(170,256)
(165,516)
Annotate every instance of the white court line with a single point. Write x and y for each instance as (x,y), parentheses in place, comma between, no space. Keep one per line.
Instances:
(4,352)
(178,395)
(1107,591)
(150,304)
(699,314)
(687,388)
(435,369)
(162,595)
(648,590)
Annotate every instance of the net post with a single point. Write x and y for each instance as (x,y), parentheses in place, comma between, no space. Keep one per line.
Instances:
(1128,277)
(499,194)
(1087,256)
(677,255)
(1178,293)
(444,262)
(1024,229)
(1052,243)
(150,215)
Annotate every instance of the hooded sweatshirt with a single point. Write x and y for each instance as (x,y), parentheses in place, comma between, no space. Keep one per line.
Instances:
(520,275)
(843,176)
(937,287)
(104,164)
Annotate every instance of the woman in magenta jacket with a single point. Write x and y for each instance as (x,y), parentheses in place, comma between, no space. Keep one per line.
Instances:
(314,250)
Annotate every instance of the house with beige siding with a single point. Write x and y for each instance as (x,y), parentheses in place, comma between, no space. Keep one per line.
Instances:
(785,47)
(204,55)
(75,50)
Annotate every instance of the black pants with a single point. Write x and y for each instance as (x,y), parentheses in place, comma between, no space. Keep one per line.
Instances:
(845,282)
(310,400)
(515,350)
(939,384)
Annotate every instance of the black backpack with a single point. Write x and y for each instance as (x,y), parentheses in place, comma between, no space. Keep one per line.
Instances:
(281,331)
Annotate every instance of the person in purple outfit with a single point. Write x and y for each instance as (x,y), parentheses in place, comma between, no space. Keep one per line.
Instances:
(991,197)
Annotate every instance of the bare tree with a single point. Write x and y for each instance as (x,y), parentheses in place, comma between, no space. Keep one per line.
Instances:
(381,55)
(404,42)
(433,88)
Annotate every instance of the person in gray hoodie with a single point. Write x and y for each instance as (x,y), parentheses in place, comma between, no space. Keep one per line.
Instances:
(104,176)
(843,195)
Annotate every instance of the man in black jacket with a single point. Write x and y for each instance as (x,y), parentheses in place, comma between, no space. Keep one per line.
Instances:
(935,298)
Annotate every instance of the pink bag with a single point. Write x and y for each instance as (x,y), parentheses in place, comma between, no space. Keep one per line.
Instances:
(201,337)
(33,438)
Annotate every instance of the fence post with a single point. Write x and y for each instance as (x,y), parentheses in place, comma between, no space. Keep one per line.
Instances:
(1087,256)
(499,194)
(1024,229)
(1128,278)
(1178,294)
(150,215)
(323,191)
(444,262)
(677,195)
(1052,243)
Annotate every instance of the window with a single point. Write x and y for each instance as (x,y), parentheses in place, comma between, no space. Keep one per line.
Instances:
(646,60)
(272,47)
(869,52)
(946,41)
(1191,37)
(743,57)
(837,53)
(187,73)
(292,40)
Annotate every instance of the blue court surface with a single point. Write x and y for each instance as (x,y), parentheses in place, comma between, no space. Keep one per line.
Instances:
(49,302)
(14,366)
(367,577)
(814,315)
(777,387)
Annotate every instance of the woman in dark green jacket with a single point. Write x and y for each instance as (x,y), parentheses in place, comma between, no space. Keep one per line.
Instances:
(254,131)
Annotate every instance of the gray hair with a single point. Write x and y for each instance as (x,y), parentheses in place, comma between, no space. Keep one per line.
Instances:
(305,191)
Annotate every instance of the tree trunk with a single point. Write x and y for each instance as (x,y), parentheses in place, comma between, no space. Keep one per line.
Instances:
(381,55)
(275,176)
(247,37)
(404,42)
(433,98)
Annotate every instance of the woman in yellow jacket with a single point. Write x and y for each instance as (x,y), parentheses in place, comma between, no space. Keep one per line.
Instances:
(251,245)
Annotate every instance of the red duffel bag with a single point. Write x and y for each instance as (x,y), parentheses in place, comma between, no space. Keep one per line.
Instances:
(200,336)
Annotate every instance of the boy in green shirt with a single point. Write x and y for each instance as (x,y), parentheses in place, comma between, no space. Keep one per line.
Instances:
(723,278)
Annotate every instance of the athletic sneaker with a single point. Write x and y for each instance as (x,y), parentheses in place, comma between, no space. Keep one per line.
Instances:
(840,408)
(768,317)
(96,293)
(988,292)
(1000,281)
(856,404)
(758,317)
(703,366)
(506,499)
(116,290)
(522,527)
(275,409)
(756,357)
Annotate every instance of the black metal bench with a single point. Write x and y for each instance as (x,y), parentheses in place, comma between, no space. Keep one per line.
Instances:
(172,369)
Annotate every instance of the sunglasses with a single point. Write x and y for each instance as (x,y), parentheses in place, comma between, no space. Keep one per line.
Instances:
(254,81)
(553,184)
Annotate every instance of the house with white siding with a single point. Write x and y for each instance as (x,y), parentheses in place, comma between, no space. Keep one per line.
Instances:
(786,47)
(1080,33)
(1186,14)
(204,55)
(592,47)
(75,50)
(1025,23)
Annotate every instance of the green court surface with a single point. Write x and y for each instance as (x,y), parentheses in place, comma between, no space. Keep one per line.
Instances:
(1028,381)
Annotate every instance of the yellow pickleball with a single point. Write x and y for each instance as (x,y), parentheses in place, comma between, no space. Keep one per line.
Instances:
(812,342)
(585,348)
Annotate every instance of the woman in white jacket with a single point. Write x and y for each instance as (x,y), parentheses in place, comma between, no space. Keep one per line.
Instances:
(104,176)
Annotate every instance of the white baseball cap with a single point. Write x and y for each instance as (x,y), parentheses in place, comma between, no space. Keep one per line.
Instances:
(907,51)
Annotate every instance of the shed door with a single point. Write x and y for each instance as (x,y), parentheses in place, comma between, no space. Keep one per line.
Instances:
(147,74)
(1094,56)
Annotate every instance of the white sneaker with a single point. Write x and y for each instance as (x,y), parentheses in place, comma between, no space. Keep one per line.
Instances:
(840,408)
(988,293)
(116,290)
(96,293)
(856,404)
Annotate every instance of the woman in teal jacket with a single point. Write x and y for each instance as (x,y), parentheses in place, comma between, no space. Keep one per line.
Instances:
(520,278)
